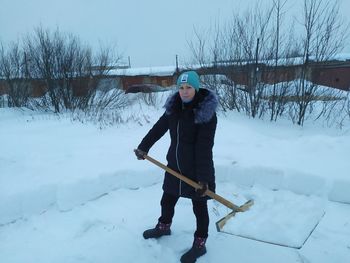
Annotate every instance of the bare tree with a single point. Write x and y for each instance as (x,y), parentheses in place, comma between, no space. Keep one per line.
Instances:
(14,71)
(104,107)
(238,47)
(249,39)
(42,51)
(281,48)
(324,35)
(99,66)
(70,70)
(73,77)
(199,46)
(347,106)
(333,108)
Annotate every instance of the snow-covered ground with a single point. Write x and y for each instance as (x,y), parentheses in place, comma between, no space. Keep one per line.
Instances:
(71,192)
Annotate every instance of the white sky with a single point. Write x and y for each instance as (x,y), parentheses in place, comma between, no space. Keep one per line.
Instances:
(151,32)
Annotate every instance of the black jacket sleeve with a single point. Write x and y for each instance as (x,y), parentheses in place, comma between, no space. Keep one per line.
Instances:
(154,134)
(204,150)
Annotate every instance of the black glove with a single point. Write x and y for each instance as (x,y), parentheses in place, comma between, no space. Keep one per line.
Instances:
(140,154)
(200,191)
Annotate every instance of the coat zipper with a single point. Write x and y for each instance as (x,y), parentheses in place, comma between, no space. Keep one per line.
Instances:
(177,159)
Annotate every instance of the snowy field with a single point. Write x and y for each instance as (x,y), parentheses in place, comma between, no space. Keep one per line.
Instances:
(71,192)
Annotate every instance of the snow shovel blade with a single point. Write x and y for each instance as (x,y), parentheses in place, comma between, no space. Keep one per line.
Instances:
(220,224)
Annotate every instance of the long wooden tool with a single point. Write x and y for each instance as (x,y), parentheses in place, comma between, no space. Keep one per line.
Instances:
(220,224)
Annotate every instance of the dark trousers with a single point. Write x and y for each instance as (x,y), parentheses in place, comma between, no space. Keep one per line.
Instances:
(200,209)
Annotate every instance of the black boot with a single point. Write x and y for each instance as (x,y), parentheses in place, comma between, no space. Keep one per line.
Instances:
(159,230)
(198,249)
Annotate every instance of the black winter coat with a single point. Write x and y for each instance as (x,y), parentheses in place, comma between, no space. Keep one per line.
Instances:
(192,129)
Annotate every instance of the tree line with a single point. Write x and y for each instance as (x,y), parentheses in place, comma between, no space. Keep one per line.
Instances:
(261,35)
(71,74)
(271,36)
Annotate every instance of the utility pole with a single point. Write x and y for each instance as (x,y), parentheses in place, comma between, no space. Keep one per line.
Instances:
(256,70)
(177,64)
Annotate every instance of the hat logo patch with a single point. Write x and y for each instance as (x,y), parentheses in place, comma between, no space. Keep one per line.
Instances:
(184,78)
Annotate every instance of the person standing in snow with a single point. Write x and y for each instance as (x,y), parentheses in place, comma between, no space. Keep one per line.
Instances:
(190,117)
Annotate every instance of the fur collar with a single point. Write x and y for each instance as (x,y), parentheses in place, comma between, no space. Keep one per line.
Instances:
(204,109)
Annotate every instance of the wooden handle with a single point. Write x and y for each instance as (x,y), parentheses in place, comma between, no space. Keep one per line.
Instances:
(195,185)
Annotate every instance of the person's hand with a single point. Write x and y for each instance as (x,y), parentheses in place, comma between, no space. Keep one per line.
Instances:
(201,191)
(140,154)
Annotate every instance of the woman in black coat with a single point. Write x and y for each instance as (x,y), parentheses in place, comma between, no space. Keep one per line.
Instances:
(191,120)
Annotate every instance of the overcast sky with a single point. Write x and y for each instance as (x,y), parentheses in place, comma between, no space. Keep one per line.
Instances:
(151,32)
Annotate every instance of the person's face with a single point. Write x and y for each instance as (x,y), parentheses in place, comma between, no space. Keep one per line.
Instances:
(187,92)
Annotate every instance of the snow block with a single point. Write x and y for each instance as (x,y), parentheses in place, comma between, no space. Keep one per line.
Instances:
(38,200)
(228,173)
(266,176)
(10,207)
(130,179)
(248,176)
(340,191)
(77,193)
(26,203)
(306,184)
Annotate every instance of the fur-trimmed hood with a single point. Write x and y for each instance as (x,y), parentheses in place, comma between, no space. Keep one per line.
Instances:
(204,109)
